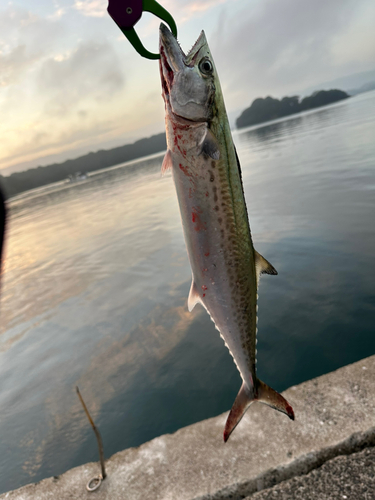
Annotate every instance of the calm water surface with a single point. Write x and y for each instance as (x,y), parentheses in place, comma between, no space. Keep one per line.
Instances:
(97,277)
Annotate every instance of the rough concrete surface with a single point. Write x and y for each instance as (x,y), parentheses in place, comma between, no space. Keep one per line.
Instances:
(335,415)
(349,477)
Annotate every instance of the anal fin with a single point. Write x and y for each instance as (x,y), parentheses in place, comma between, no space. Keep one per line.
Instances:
(194,297)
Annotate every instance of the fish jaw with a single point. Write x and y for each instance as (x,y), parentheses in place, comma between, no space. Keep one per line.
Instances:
(186,90)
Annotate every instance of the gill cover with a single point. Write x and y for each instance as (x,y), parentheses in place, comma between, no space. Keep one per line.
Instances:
(188,80)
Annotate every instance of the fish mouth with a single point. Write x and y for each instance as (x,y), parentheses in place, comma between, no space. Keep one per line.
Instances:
(172,58)
(166,73)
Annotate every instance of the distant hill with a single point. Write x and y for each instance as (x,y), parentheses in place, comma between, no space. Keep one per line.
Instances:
(347,82)
(40,176)
(367,87)
(262,110)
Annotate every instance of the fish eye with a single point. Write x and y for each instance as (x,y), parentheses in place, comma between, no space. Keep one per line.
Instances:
(206,67)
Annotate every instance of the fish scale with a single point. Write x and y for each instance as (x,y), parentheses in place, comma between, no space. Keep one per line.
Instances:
(207,177)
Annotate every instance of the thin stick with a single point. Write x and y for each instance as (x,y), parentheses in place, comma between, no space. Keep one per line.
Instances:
(97,434)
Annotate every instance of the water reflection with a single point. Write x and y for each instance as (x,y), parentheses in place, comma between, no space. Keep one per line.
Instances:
(96,281)
(272,131)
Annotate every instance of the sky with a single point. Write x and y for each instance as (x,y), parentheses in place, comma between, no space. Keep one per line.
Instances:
(71,83)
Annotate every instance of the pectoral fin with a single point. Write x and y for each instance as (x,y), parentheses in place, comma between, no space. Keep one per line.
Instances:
(167,162)
(209,145)
(262,266)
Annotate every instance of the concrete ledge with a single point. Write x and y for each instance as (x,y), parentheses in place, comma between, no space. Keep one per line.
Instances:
(334,416)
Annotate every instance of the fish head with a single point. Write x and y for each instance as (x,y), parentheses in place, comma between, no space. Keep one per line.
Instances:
(189,81)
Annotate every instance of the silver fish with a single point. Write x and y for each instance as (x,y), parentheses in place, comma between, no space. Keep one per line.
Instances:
(206,172)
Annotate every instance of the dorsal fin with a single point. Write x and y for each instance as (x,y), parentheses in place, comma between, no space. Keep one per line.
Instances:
(262,266)
(167,162)
(194,297)
(209,145)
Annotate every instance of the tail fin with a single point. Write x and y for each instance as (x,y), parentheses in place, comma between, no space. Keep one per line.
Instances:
(241,404)
(264,394)
(270,397)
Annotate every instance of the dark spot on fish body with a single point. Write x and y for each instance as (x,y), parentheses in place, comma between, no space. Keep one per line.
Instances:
(220,220)
(212,177)
(213,165)
(216,208)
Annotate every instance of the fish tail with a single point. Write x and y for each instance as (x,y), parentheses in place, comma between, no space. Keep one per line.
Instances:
(264,394)
(241,404)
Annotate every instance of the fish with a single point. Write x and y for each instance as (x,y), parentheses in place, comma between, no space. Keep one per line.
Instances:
(207,176)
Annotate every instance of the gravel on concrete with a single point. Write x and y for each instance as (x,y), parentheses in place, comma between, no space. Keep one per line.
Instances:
(350,477)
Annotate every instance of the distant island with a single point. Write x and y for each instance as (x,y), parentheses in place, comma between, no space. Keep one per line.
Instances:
(35,177)
(263,110)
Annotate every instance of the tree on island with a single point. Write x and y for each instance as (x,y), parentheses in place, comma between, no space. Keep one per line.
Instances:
(40,176)
(262,110)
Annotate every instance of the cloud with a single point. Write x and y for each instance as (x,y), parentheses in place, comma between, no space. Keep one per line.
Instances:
(282,46)
(184,10)
(56,92)
(14,64)
(22,27)
(23,37)
(91,8)
(90,72)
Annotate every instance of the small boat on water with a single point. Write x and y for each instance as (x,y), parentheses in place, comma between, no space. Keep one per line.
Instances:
(77,177)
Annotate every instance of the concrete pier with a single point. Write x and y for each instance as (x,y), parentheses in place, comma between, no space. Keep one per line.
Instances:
(268,456)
